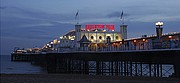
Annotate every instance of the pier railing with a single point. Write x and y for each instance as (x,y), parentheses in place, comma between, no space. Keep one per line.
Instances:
(119,48)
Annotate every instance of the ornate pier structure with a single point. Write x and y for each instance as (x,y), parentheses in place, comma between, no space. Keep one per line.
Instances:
(144,56)
(100,50)
(151,63)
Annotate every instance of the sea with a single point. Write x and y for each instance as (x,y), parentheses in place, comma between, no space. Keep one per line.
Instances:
(11,67)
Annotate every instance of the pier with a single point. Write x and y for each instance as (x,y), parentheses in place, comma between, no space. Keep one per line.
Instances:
(143,57)
(142,63)
(151,63)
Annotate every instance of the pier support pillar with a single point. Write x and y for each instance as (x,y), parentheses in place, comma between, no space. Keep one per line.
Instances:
(150,69)
(86,67)
(97,68)
(52,63)
(177,70)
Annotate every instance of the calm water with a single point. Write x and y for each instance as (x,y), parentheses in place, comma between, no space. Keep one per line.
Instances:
(10,67)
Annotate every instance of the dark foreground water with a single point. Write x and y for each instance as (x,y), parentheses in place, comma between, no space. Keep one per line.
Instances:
(10,67)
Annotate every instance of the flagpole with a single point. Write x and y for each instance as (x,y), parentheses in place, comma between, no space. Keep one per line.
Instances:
(123,20)
(78,17)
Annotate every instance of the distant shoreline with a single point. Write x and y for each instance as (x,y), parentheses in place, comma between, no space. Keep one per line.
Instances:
(76,78)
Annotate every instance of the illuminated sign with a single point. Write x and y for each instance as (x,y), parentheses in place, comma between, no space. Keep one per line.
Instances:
(99,26)
(110,27)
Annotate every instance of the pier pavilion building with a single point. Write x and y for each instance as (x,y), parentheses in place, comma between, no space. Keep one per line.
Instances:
(100,37)
(92,37)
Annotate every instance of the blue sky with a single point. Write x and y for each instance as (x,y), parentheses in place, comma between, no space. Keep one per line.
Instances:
(31,23)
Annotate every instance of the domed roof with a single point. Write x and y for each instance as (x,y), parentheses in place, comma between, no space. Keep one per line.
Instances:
(70,33)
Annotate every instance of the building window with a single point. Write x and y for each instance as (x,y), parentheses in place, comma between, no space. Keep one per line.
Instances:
(92,37)
(117,37)
(100,37)
(108,37)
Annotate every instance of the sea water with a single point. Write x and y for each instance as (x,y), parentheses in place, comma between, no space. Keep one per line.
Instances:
(12,67)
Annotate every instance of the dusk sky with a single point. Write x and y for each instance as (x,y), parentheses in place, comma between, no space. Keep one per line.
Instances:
(33,23)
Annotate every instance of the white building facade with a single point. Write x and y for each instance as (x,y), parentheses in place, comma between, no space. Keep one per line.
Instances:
(100,37)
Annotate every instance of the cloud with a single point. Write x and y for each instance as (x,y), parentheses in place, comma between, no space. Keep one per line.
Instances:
(36,25)
(3,7)
(32,24)
(154,18)
(33,14)
(116,14)
(21,17)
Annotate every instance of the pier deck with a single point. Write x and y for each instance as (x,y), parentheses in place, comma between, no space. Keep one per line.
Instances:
(146,63)
(124,63)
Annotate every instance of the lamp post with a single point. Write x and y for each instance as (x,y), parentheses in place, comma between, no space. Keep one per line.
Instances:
(122,44)
(143,43)
(159,29)
(134,44)
(170,39)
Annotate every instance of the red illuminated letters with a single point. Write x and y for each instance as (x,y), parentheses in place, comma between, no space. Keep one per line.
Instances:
(99,26)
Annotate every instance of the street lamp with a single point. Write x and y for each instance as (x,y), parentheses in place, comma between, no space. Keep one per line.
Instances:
(134,44)
(143,43)
(159,29)
(159,24)
(170,39)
